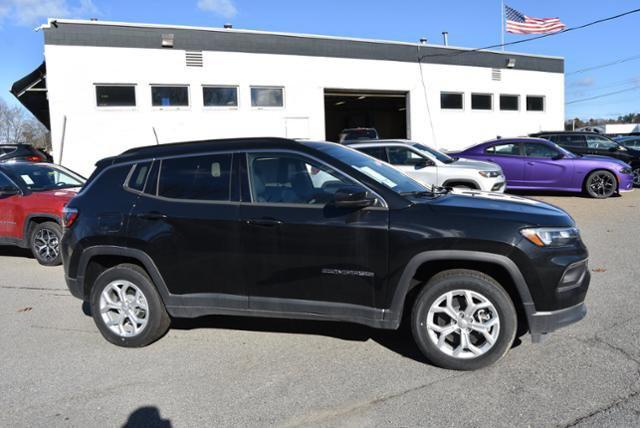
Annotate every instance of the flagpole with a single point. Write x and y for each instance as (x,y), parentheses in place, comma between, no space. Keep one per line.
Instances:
(502,24)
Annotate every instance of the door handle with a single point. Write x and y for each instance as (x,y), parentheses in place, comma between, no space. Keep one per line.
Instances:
(263,222)
(151,216)
(531,163)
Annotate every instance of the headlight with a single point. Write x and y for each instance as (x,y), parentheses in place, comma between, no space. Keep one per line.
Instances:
(551,236)
(626,170)
(490,174)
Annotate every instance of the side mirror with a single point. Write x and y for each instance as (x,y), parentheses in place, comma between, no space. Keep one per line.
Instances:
(8,191)
(614,149)
(424,163)
(352,197)
(558,156)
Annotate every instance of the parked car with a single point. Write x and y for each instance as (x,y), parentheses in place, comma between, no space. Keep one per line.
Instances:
(32,196)
(539,164)
(352,134)
(434,168)
(589,143)
(22,152)
(316,230)
(630,142)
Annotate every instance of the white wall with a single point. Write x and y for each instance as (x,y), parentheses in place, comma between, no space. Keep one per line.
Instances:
(93,133)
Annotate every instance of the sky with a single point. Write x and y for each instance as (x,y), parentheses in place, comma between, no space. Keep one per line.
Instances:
(470,23)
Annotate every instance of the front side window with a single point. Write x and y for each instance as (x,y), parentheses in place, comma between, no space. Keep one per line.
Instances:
(451,101)
(576,141)
(509,102)
(376,152)
(263,96)
(196,178)
(540,150)
(509,149)
(115,95)
(220,96)
(380,172)
(170,96)
(481,101)
(404,156)
(292,179)
(38,177)
(535,103)
(599,142)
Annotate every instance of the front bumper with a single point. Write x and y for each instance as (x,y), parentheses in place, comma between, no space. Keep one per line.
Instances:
(541,323)
(625,182)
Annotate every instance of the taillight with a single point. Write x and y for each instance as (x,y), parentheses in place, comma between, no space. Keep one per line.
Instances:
(69,216)
(33,158)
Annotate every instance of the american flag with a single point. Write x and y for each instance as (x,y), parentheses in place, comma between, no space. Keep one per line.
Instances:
(518,23)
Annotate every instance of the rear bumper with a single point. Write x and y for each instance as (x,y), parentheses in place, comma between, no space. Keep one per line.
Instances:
(541,323)
(75,287)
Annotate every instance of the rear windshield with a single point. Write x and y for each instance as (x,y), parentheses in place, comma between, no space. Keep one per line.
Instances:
(360,134)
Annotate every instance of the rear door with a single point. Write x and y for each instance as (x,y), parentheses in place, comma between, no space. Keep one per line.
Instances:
(301,253)
(576,143)
(510,158)
(544,168)
(186,219)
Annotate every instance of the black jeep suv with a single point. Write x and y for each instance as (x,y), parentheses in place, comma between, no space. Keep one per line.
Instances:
(316,230)
(591,143)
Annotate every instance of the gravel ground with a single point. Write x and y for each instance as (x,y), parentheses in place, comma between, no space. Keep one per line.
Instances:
(56,370)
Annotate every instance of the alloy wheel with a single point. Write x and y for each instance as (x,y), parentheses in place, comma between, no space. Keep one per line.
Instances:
(463,324)
(124,308)
(636,177)
(47,244)
(602,184)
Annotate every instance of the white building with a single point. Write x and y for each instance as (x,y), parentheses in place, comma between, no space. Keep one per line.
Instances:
(106,86)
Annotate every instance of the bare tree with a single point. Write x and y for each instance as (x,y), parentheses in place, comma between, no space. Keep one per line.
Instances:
(17,127)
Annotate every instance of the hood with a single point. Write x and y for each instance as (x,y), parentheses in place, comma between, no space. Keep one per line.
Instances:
(463,163)
(599,158)
(61,193)
(477,205)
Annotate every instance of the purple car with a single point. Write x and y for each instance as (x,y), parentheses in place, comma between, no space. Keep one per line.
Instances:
(538,164)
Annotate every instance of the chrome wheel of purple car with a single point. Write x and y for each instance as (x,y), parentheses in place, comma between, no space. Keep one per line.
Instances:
(601,184)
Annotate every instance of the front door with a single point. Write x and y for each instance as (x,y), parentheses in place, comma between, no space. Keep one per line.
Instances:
(9,211)
(545,169)
(187,221)
(414,164)
(302,254)
(599,145)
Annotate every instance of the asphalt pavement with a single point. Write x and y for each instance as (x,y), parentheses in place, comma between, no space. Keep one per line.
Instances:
(56,369)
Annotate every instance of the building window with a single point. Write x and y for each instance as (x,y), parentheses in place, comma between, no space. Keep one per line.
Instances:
(481,101)
(115,95)
(197,178)
(509,102)
(220,96)
(263,96)
(451,100)
(535,103)
(170,96)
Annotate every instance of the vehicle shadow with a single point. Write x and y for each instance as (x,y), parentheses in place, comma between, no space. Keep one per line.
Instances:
(8,251)
(147,417)
(399,341)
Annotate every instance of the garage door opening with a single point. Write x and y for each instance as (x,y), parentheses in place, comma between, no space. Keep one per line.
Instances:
(384,111)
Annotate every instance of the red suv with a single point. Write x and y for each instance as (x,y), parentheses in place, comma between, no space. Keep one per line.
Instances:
(32,196)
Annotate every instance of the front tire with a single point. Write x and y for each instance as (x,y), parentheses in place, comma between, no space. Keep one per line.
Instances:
(601,184)
(463,320)
(44,241)
(127,308)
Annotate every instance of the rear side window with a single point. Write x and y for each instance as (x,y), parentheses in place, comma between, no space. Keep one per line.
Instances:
(570,140)
(376,152)
(198,178)
(138,176)
(510,149)
(6,150)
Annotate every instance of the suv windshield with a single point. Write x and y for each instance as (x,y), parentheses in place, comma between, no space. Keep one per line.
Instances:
(436,154)
(379,171)
(42,177)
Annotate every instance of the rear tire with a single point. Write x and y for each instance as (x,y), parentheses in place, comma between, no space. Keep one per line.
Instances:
(463,320)
(44,241)
(127,308)
(601,184)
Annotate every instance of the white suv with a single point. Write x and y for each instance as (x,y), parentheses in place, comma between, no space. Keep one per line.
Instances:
(431,167)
